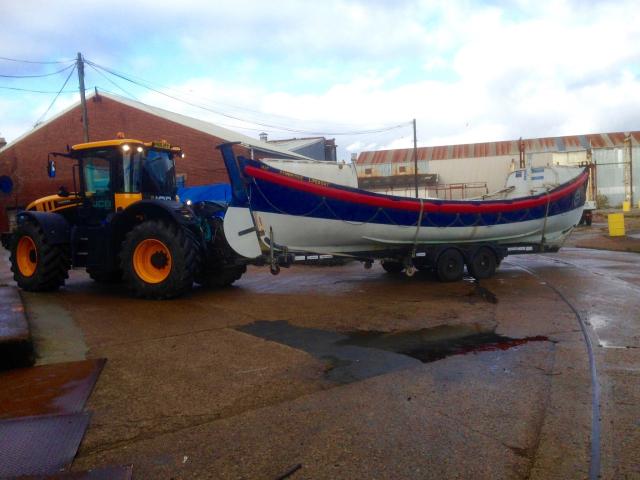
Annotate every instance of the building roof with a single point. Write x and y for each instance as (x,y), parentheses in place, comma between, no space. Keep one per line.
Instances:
(194,123)
(294,144)
(489,149)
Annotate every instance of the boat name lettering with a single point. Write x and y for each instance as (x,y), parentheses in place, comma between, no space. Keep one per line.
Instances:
(318,182)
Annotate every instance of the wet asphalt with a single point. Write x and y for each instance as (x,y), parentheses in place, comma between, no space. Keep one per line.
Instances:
(322,372)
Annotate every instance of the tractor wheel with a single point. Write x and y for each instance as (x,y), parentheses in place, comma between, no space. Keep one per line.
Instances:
(450,265)
(222,277)
(391,266)
(101,276)
(483,264)
(36,265)
(159,260)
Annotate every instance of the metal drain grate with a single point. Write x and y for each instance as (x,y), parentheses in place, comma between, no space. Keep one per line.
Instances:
(40,445)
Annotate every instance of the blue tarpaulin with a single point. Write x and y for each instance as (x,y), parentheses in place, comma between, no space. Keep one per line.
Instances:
(217,192)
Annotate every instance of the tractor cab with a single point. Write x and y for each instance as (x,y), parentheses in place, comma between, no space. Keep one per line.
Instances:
(114,174)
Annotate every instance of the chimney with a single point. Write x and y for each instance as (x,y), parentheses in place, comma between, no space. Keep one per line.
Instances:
(263,136)
(3,142)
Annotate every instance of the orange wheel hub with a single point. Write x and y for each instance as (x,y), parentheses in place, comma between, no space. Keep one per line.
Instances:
(26,256)
(152,261)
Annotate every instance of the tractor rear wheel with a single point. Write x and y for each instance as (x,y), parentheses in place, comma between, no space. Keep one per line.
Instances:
(159,260)
(38,266)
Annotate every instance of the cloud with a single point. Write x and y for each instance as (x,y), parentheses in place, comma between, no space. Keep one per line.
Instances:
(467,71)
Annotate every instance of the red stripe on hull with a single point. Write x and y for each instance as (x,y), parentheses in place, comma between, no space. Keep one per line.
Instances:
(414,205)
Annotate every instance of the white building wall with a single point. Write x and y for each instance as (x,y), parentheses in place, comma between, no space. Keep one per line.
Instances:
(492,170)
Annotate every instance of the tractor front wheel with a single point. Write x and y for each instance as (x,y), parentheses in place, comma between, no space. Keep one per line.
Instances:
(37,266)
(158,260)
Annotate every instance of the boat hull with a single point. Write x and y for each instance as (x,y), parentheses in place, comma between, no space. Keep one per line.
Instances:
(319,235)
(309,215)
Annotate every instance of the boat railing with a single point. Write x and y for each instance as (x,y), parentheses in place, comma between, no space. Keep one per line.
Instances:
(494,195)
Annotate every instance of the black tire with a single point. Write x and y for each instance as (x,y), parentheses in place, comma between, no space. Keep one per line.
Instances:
(483,264)
(101,276)
(391,266)
(222,277)
(450,265)
(45,267)
(177,260)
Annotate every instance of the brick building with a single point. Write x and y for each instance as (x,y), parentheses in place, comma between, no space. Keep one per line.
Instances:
(24,160)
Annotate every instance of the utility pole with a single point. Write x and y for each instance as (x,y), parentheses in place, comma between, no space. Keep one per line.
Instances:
(83,100)
(415,156)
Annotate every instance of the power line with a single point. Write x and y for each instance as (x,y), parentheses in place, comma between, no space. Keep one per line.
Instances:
(35,91)
(35,61)
(111,81)
(145,83)
(56,97)
(233,117)
(38,76)
(161,112)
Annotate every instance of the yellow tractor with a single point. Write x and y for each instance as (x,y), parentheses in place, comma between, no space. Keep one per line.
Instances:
(122,222)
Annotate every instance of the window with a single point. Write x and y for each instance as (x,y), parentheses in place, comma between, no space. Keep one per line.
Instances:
(158,175)
(367,171)
(131,172)
(402,169)
(96,174)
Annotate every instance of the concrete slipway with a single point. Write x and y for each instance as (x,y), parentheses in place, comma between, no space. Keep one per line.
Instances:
(317,373)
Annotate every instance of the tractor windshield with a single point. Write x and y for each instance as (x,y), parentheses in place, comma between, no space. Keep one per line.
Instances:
(158,173)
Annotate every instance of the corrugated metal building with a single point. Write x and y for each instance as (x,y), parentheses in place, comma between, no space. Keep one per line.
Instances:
(617,156)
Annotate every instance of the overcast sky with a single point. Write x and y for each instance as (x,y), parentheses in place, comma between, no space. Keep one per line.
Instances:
(467,71)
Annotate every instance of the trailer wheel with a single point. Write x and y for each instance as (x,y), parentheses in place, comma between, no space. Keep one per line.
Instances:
(158,260)
(483,264)
(391,266)
(36,265)
(450,265)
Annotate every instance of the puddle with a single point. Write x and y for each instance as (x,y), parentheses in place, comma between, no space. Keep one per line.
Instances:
(432,344)
(360,355)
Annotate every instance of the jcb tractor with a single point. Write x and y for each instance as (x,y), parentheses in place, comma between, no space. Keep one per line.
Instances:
(122,222)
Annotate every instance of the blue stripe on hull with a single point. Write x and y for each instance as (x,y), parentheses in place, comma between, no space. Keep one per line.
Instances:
(272,198)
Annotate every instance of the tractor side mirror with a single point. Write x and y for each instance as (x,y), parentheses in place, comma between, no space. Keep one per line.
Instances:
(51,168)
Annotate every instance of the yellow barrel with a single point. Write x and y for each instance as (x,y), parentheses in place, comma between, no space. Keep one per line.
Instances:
(626,206)
(616,225)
